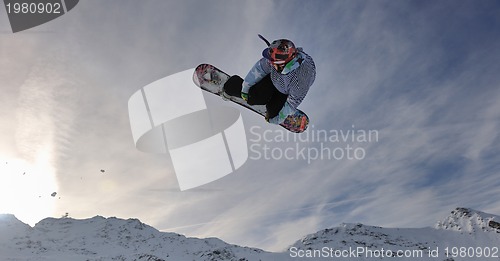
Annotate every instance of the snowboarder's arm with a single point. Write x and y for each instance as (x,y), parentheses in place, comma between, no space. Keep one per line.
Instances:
(296,96)
(258,71)
(298,92)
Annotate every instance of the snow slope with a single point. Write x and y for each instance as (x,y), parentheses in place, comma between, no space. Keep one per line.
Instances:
(466,234)
(101,238)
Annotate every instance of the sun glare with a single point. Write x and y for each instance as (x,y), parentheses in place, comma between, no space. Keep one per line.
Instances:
(27,188)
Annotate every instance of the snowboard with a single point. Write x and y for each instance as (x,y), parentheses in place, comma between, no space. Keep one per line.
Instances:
(211,79)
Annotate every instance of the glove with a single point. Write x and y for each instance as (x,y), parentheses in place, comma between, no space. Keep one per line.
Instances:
(245,90)
(244,96)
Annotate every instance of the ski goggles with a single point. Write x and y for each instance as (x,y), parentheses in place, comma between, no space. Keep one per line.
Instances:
(283,66)
(278,58)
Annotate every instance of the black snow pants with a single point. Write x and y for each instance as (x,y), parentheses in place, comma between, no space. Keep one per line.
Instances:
(262,93)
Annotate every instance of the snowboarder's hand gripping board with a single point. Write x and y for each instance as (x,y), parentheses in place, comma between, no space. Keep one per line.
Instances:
(212,80)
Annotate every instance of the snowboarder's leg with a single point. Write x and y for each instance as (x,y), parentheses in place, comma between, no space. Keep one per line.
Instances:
(264,92)
(233,86)
(261,92)
(275,104)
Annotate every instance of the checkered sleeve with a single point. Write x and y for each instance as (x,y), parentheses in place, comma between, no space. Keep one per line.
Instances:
(301,81)
(258,71)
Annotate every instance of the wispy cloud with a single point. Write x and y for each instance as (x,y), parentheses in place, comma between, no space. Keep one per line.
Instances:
(412,71)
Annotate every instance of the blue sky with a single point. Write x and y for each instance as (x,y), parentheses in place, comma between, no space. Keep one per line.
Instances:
(424,74)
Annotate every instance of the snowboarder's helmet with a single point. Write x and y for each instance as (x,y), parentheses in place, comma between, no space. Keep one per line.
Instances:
(280,51)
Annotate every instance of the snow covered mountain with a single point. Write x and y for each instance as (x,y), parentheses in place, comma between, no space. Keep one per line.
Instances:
(103,239)
(464,235)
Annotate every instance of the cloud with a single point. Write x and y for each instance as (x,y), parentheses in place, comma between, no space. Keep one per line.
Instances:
(417,77)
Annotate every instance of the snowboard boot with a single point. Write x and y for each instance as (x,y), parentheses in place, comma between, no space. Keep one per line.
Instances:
(232,87)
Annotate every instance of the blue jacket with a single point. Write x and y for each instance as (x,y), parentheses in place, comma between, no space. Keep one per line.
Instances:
(296,83)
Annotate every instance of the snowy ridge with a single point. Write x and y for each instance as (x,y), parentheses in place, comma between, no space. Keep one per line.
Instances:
(371,237)
(464,230)
(470,221)
(100,238)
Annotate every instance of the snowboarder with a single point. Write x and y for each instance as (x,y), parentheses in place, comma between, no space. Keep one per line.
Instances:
(280,80)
